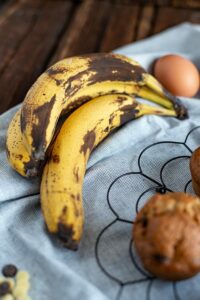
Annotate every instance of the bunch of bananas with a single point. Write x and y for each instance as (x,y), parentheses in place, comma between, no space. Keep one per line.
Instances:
(68,111)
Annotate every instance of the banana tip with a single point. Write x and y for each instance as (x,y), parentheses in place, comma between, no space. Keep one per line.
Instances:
(181,110)
(32,172)
(39,155)
(65,234)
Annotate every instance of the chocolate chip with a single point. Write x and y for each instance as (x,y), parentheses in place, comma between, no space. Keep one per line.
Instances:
(9,271)
(160,258)
(4,288)
(144,221)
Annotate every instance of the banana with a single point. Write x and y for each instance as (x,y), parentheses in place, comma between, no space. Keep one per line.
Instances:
(72,82)
(63,174)
(17,154)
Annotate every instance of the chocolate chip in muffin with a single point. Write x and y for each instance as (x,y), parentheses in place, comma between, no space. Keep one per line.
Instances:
(160,258)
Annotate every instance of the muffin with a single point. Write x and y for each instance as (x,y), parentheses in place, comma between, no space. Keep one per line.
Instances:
(166,235)
(195,170)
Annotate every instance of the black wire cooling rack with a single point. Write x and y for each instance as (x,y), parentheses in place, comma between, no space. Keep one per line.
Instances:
(160,186)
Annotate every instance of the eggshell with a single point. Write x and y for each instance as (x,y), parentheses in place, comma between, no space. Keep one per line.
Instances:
(178,75)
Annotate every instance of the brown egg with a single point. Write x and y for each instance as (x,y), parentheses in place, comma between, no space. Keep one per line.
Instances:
(178,75)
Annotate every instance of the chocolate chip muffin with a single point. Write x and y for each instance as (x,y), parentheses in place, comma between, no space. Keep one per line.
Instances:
(166,235)
(195,170)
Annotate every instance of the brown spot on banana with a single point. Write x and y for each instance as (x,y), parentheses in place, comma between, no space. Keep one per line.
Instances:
(43,115)
(76,174)
(88,142)
(58,81)
(112,116)
(77,102)
(56,158)
(18,156)
(129,112)
(73,196)
(120,100)
(106,129)
(124,71)
(55,70)
(64,211)
(23,118)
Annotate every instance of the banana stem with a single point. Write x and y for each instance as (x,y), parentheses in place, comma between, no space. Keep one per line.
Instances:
(153,84)
(148,94)
(150,110)
(164,98)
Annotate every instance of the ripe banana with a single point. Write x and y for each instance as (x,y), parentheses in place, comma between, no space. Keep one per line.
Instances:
(72,82)
(62,178)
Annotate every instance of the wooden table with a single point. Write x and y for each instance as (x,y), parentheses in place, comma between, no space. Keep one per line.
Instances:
(36,33)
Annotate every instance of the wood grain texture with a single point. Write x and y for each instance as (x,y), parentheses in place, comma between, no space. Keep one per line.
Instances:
(3,3)
(186,3)
(15,25)
(144,2)
(85,30)
(121,28)
(30,59)
(179,3)
(146,21)
(169,16)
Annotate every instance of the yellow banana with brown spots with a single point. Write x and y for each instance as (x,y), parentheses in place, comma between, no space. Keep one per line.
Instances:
(62,179)
(72,82)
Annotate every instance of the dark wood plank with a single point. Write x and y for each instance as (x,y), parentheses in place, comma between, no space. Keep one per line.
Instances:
(31,57)
(169,16)
(145,22)
(15,23)
(85,30)
(121,27)
(161,2)
(129,2)
(144,2)
(178,3)
(186,3)
(3,3)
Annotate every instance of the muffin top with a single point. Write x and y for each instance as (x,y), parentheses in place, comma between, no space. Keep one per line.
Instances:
(166,235)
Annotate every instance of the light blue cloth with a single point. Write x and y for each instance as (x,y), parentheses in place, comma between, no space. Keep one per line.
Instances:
(103,268)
